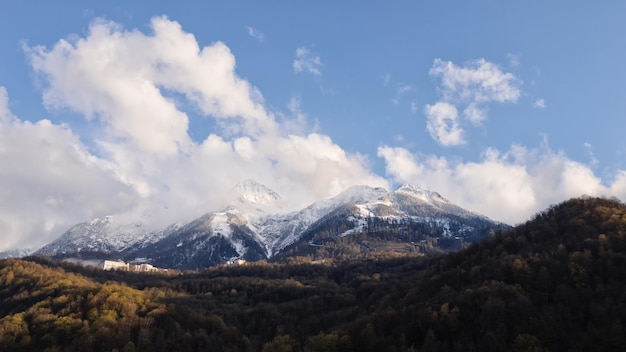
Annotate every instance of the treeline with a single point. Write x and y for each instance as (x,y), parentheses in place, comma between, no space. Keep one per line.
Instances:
(556,283)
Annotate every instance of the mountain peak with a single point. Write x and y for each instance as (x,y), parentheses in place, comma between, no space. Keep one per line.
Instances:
(360,194)
(251,191)
(420,193)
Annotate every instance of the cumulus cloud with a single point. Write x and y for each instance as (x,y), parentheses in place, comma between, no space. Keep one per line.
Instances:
(119,76)
(307,61)
(442,124)
(479,81)
(507,186)
(474,114)
(470,87)
(134,88)
(50,180)
(256,34)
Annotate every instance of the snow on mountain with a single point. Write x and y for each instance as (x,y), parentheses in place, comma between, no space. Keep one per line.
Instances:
(255,226)
(413,199)
(421,194)
(279,231)
(412,203)
(222,224)
(16,253)
(106,234)
(250,191)
(211,239)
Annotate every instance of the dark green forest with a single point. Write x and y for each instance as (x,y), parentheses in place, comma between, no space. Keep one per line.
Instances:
(555,283)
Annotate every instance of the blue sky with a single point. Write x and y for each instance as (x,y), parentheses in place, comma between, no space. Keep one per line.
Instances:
(107,108)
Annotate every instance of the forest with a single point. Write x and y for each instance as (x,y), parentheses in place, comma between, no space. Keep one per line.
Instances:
(554,283)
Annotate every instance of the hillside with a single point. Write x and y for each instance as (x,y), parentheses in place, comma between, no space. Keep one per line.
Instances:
(555,283)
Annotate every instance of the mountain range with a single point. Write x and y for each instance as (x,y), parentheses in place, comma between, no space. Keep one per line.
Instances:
(361,221)
(554,283)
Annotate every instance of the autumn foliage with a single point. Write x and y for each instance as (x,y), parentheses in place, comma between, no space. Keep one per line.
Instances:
(555,283)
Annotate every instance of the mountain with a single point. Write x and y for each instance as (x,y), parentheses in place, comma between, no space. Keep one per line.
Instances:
(16,253)
(409,219)
(279,231)
(554,283)
(361,220)
(212,239)
(244,231)
(103,235)
(252,192)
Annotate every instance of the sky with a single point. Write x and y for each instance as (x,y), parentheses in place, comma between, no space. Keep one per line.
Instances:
(153,111)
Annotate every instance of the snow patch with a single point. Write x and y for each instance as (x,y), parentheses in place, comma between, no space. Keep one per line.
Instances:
(220,224)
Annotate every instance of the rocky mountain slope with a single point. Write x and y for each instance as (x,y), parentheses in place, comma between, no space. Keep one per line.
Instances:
(254,228)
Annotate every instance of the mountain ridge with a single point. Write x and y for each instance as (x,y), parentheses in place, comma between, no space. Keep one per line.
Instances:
(553,283)
(254,227)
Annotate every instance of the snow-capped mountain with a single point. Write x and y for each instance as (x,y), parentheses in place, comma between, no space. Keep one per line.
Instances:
(244,230)
(211,239)
(105,235)
(279,231)
(252,192)
(16,253)
(254,228)
(407,215)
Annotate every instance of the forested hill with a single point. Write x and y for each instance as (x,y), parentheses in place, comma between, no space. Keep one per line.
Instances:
(555,283)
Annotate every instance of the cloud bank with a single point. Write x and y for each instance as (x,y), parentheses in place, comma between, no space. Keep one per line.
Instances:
(138,90)
(507,186)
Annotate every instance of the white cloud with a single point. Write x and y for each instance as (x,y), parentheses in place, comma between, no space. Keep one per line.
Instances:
(474,114)
(307,61)
(539,104)
(470,87)
(133,87)
(442,124)
(509,186)
(50,180)
(298,121)
(592,157)
(5,112)
(118,76)
(296,111)
(479,81)
(256,34)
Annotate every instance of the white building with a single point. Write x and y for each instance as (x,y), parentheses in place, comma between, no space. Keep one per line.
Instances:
(114,265)
(144,268)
